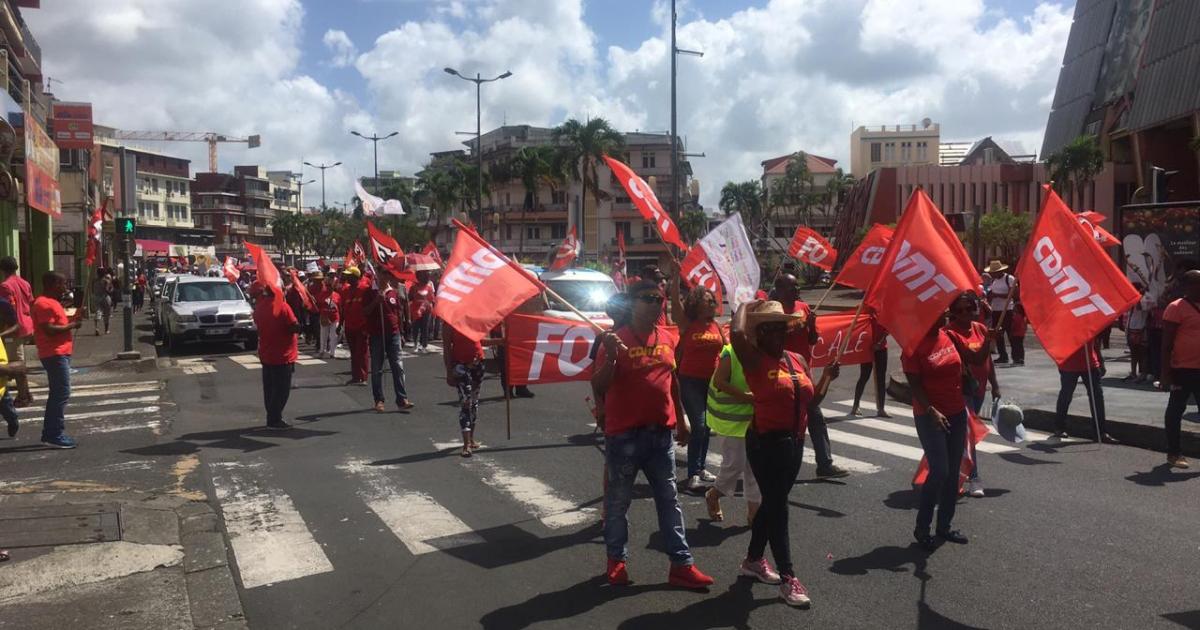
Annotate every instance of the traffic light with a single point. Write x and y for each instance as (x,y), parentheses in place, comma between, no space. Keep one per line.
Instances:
(126,227)
(1158,184)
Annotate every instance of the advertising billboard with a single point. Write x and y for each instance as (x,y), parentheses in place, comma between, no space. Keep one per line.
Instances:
(1154,238)
(41,169)
(72,125)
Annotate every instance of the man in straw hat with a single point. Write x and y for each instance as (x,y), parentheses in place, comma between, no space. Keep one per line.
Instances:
(1001,294)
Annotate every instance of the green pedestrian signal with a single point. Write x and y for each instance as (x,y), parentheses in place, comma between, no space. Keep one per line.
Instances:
(127,226)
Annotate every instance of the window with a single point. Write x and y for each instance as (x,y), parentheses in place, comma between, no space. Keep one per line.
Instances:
(559,197)
(905,151)
(154,184)
(207,292)
(647,160)
(558,230)
(183,188)
(649,233)
(876,152)
(889,152)
(922,153)
(624,227)
(621,199)
(533,232)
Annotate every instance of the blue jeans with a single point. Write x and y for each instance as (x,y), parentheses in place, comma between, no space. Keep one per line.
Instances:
(650,450)
(943,451)
(388,346)
(7,410)
(58,374)
(421,330)
(694,392)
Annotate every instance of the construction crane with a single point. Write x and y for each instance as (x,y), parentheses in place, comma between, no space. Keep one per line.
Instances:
(190,136)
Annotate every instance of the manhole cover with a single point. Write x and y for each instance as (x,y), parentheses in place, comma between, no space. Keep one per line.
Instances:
(60,525)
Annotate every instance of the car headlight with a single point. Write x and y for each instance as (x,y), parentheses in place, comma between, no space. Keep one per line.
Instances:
(243,317)
(186,319)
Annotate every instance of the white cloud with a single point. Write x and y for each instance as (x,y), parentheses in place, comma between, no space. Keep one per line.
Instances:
(338,43)
(782,76)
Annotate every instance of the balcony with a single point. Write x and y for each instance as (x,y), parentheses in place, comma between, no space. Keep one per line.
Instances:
(148,194)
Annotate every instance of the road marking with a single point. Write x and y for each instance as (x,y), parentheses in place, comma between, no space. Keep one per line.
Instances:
(270,539)
(906,412)
(102,389)
(420,522)
(112,413)
(541,500)
(37,411)
(248,361)
(902,429)
(108,428)
(883,446)
(810,457)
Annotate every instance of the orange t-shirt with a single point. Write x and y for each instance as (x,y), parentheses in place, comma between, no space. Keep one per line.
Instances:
(775,404)
(49,311)
(700,348)
(1186,353)
(640,394)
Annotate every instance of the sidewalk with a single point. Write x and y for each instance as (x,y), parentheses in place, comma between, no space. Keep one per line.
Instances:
(94,351)
(1134,412)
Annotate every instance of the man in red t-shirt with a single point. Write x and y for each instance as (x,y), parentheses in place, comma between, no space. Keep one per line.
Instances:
(354,322)
(53,332)
(17,291)
(421,296)
(277,328)
(386,308)
(329,302)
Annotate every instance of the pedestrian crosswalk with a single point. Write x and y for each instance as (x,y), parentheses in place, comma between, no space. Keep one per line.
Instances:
(100,408)
(274,541)
(250,360)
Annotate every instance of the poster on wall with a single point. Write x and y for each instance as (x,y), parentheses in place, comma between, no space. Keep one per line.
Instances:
(72,125)
(41,169)
(1156,238)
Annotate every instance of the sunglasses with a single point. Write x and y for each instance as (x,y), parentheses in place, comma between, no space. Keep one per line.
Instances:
(650,298)
(964,309)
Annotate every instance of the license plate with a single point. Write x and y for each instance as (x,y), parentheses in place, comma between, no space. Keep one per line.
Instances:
(216,332)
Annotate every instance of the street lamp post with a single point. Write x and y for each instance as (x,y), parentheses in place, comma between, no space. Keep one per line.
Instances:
(478,81)
(675,51)
(300,193)
(324,166)
(374,138)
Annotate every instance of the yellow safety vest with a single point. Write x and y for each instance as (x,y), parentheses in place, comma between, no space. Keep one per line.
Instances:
(726,415)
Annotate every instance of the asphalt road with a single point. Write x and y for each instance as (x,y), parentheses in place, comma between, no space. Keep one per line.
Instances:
(358,519)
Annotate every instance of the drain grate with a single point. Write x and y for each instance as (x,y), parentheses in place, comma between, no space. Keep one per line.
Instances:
(60,525)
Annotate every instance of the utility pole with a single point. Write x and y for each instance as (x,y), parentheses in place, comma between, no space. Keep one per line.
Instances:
(675,52)
(324,166)
(128,195)
(478,81)
(374,138)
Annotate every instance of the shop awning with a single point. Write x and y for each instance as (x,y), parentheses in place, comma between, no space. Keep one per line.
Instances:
(151,247)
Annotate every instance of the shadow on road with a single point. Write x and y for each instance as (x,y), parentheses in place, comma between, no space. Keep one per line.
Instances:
(568,603)
(510,544)
(706,534)
(730,609)
(908,499)
(417,458)
(241,439)
(1025,460)
(1160,476)
(1190,619)
(895,560)
(818,510)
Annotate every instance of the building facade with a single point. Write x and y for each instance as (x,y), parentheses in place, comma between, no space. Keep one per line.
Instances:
(287,192)
(893,146)
(237,207)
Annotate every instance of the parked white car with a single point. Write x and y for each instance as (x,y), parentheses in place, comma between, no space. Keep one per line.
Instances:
(585,289)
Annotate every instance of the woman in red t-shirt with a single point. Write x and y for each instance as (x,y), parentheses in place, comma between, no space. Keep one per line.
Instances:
(974,343)
(700,341)
(934,370)
(783,392)
(878,367)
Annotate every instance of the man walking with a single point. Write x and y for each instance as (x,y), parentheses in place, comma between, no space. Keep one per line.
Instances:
(1000,285)
(102,291)
(17,291)
(277,328)
(1181,361)
(354,322)
(385,307)
(53,332)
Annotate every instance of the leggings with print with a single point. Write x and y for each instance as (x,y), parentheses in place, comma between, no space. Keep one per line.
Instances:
(468,379)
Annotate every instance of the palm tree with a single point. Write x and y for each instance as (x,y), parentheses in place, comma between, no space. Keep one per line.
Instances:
(747,198)
(693,225)
(584,145)
(793,191)
(441,190)
(535,167)
(835,188)
(1078,162)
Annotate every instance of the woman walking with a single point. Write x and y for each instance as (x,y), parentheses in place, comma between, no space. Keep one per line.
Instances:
(730,407)
(934,371)
(783,392)
(700,344)
(974,344)
(463,358)
(878,367)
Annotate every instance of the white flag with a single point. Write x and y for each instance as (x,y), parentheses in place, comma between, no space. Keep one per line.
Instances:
(375,206)
(732,256)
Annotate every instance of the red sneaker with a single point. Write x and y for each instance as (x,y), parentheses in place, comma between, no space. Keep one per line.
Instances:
(688,577)
(617,575)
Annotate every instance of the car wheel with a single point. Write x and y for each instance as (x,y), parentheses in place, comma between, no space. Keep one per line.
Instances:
(251,343)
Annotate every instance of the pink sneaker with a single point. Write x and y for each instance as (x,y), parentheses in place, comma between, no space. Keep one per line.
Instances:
(794,593)
(760,570)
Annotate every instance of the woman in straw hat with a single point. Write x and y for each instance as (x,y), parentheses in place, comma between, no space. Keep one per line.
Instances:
(783,391)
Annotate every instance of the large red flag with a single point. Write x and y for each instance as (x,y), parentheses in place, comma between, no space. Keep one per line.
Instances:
(310,303)
(384,249)
(547,349)
(647,203)
(480,287)
(921,273)
(94,230)
(1071,289)
(268,275)
(863,262)
(230,269)
(355,255)
(431,250)
(567,251)
(810,247)
(697,271)
(831,336)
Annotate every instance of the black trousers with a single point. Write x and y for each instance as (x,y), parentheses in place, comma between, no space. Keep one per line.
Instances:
(277,386)
(1018,344)
(1187,385)
(879,368)
(1068,380)
(774,459)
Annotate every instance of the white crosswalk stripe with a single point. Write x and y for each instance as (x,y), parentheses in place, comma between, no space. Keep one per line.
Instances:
(251,362)
(270,539)
(810,459)
(100,408)
(906,412)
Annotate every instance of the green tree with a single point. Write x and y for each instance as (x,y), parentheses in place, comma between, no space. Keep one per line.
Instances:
(584,145)
(747,198)
(1004,230)
(794,193)
(536,167)
(693,225)
(440,191)
(1077,163)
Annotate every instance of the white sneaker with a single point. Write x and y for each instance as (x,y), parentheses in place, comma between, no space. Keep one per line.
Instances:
(694,484)
(794,593)
(975,488)
(760,571)
(707,477)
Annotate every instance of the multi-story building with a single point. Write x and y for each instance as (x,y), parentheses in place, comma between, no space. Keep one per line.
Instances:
(386,179)
(821,215)
(896,145)
(71,125)
(237,207)
(287,192)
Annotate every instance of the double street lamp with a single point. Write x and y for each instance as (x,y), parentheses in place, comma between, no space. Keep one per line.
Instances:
(374,138)
(324,166)
(478,80)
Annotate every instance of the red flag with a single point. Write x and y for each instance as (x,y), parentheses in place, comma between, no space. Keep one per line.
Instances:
(810,247)
(976,431)
(384,249)
(230,270)
(921,273)
(480,287)
(619,270)
(697,270)
(1102,236)
(1093,217)
(647,204)
(94,230)
(1071,289)
(306,298)
(860,268)
(432,251)
(831,335)
(547,349)
(268,275)
(567,251)
(355,255)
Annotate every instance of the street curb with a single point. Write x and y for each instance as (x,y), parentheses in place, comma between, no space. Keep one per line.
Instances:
(1147,436)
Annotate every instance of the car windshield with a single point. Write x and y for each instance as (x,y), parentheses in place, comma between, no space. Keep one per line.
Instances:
(586,295)
(207,292)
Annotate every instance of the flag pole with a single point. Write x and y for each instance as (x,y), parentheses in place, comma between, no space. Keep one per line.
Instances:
(525,272)
(1087,349)
(850,333)
(825,295)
